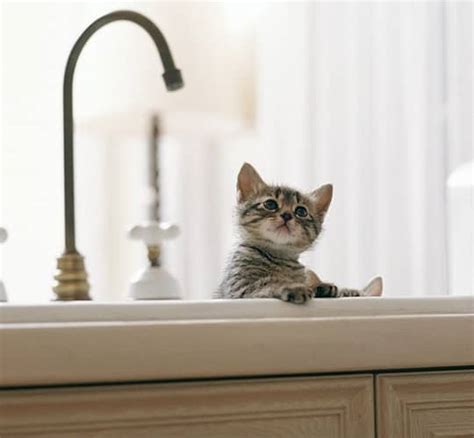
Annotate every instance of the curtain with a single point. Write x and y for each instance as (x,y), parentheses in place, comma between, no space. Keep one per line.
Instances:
(362,95)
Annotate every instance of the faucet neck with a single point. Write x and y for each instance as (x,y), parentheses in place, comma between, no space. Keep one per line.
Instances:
(171,75)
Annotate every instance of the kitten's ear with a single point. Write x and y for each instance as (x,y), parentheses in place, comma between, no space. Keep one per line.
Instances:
(322,198)
(248,182)
(374,288)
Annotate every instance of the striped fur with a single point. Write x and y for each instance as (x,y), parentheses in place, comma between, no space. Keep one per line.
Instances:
(276,224)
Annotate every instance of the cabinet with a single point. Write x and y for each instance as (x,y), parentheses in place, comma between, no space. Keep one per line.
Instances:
(425,405)
(405,405)
(322,407)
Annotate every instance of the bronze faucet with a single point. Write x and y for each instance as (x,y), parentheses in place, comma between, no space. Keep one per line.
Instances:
(71,278)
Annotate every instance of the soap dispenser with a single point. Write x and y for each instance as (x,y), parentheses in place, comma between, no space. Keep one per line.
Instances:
(3,293)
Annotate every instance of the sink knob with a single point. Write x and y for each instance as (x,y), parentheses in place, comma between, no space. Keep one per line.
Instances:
(153,233)
(154,282)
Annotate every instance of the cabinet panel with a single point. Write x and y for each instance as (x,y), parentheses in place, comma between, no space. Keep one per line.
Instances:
(422,405)
(284,407)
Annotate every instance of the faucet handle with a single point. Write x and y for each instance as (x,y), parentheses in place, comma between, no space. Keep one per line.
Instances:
(153,233)
(154,282)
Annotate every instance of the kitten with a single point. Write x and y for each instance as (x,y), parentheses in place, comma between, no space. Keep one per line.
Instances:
(276,225)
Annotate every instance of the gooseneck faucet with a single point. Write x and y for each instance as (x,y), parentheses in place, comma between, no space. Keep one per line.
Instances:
(71,277)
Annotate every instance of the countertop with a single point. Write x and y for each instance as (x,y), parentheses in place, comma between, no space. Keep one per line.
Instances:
(77,343)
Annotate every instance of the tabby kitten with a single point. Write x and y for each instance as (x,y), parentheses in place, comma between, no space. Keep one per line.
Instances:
(276,225)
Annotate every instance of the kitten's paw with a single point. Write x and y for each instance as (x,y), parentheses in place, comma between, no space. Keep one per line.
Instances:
(296,294)
(350,293)
(325,290)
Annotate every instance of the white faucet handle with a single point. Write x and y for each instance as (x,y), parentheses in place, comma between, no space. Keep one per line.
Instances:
(154,282)
(3,235)
(153,233)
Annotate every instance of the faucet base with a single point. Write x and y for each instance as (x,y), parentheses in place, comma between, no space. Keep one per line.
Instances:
(71,278)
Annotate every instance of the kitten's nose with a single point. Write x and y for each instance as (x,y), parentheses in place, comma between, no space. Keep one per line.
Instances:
(286,216)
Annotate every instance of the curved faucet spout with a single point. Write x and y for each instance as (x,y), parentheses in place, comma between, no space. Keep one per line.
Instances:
(66,287)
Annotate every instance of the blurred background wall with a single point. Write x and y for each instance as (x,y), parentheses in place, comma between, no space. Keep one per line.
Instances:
(118,86)
(373,97)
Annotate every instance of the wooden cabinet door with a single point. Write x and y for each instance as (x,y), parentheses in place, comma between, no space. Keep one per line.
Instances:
(324,407)
(422,405)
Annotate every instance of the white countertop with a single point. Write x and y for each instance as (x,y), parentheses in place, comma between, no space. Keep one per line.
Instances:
(63,343)
(171,310)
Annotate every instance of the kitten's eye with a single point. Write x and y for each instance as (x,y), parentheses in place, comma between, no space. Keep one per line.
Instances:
(270,204)
(301,211)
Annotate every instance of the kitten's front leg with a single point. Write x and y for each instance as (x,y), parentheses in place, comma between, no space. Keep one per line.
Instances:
(329,290)
(319,288)
(291,293)
(311,279)
(297,294)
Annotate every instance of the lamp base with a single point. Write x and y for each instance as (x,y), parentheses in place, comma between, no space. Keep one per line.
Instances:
(71,278)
